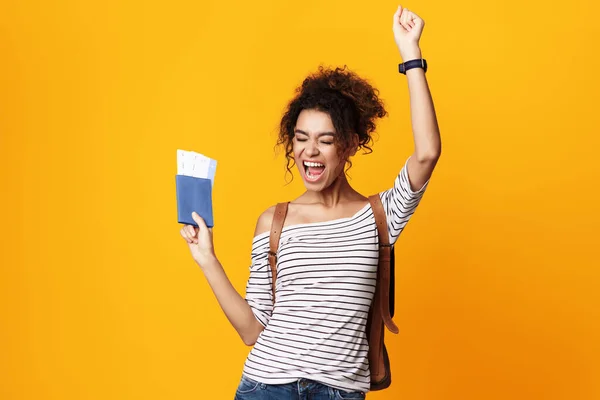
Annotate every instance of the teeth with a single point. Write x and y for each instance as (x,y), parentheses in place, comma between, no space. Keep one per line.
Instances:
(313,164)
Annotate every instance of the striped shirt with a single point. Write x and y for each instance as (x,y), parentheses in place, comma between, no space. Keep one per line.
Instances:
(326,276)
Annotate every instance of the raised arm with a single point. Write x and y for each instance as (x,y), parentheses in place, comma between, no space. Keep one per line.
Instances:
(407,27)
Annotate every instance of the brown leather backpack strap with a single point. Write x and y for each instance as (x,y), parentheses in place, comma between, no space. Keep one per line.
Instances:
(375,331)
(385,249)
(276,228)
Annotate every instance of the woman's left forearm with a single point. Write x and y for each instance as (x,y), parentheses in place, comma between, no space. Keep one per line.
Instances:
(423,119)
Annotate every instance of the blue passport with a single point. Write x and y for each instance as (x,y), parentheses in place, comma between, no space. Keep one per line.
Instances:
(194,194)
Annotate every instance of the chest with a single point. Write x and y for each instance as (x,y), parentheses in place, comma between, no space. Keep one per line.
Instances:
(308,214)
(328,257)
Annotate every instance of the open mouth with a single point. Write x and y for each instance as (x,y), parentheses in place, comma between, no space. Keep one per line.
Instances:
(313,170)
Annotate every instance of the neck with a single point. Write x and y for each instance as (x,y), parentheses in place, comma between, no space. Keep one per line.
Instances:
(339,191)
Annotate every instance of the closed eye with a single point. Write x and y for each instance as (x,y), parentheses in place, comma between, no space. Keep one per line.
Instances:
(304,140)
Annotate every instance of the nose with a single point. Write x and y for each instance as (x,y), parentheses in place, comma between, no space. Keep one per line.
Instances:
(312,149)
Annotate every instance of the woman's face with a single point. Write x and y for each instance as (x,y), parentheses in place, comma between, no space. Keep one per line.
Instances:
(315,151)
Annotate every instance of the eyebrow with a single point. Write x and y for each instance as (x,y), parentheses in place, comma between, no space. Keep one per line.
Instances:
(318,134)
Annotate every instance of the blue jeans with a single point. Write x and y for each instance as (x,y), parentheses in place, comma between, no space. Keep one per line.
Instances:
(302,389)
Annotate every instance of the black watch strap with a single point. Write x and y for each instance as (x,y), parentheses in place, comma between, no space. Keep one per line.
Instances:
(418,63)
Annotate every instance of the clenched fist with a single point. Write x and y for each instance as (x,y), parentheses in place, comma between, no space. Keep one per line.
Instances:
(407,27)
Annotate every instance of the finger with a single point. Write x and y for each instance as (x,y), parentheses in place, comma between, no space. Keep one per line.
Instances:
(201,226)
(184,234)
(199,220)
(397,14)
(408,21)
(403,19)
(414,18)
(191,231)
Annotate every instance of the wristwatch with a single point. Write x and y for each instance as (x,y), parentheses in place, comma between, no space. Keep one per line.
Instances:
(418,63)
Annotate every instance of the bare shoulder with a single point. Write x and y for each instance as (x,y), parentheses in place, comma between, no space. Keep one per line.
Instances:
(264,221)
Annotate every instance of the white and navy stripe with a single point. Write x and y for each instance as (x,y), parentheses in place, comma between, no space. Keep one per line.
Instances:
(326,276)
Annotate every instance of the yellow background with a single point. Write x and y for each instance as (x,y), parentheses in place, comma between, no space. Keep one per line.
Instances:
(99,299)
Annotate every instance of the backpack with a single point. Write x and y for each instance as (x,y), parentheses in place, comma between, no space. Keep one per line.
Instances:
(382,307)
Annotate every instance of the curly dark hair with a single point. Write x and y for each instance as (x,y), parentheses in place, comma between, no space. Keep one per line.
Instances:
(351,102)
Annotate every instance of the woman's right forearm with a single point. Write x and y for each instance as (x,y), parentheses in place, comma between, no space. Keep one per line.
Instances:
(235,307)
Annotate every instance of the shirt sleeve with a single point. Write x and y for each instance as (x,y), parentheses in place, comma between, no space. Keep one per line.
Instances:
(258,288)
(400,203)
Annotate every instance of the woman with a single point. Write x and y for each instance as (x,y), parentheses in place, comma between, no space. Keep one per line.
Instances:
(312,344)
